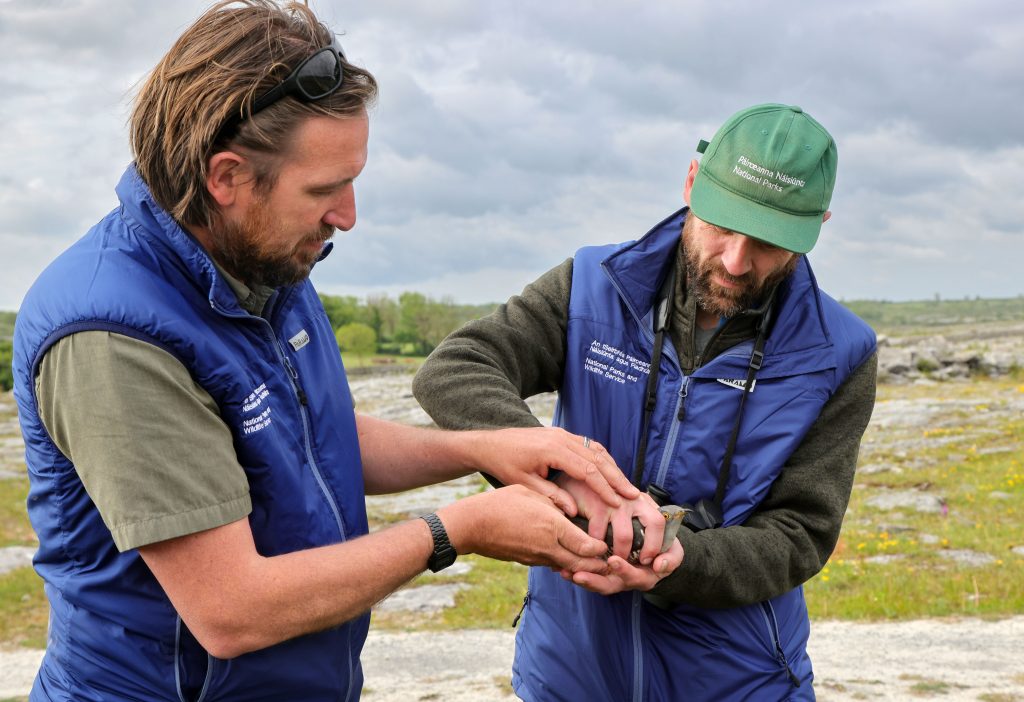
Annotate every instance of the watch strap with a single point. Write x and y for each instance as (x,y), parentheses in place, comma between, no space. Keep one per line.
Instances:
(444,553)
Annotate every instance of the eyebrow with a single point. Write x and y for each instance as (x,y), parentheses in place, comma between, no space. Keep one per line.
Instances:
(327,187)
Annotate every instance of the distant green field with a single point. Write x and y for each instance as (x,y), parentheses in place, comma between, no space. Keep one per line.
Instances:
(883,315)
(920,315)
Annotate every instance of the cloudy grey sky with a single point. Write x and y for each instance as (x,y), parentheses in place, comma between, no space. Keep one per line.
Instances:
(508,134)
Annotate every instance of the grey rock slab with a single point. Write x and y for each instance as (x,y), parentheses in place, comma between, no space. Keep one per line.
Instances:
(874,468)
(911,499)
(425,598)
(12,557)
(423,500)
(17,671)
(966,557)
(388,396)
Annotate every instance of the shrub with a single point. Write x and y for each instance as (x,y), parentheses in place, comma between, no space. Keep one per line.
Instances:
(6,374)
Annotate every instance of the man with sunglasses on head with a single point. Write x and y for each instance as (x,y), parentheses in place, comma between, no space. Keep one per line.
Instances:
(711,366)
(197,471)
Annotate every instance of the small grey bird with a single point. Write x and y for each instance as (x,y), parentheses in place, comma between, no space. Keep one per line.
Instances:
(673,515)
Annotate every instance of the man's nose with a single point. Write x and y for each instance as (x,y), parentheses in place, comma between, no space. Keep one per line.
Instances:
(737,255)
(342,214)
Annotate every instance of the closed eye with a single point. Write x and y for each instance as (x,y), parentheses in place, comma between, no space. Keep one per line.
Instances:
(328,189)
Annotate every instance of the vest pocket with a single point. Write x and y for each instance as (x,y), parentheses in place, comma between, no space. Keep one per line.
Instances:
(193,666)
(775,641)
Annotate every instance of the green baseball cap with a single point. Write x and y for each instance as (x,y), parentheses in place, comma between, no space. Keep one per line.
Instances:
(768,173)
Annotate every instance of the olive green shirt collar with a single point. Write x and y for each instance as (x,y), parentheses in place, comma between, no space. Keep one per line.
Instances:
(253,299)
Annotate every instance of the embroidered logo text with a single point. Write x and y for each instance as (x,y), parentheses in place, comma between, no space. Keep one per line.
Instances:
(614,364)
(259,419)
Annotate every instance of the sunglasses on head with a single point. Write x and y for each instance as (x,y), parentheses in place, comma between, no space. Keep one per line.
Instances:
(319,75)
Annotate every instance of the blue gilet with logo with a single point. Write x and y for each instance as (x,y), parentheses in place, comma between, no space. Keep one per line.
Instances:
(576,645)
(281,389)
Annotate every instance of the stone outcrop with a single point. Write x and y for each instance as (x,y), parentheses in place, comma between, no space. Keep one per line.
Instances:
(995,351)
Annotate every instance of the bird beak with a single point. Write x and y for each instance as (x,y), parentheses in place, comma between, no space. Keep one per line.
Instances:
(673,515)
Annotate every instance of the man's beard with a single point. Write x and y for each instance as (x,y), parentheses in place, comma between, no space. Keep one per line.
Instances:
(238,247)
(721,301)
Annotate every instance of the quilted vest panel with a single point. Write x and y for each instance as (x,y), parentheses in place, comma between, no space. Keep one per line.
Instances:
(573,644)
(113,633)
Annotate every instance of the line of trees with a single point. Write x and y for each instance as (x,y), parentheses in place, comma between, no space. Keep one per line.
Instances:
(412,325)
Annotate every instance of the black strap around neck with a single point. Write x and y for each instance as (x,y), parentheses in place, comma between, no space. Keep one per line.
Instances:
(662,315)
(712,512)
(756,358)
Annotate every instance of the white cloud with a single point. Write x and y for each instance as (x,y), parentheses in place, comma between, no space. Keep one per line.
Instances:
(509,134)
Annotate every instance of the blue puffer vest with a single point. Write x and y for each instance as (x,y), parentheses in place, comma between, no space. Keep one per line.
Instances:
(280,388)
(576,645)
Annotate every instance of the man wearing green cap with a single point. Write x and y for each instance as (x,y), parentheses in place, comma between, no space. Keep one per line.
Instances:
(717,375)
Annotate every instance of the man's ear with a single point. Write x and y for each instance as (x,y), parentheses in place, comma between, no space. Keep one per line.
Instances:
(225,174)
(826,216)
(691,174)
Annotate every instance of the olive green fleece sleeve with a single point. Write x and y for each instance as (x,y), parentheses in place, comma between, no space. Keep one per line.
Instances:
(793,532)
(478,377)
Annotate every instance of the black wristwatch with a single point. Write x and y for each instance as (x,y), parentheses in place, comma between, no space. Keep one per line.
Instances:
(444,553)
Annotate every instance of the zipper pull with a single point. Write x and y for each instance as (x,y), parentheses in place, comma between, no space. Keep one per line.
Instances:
(295,377)
(289,367)
(526,601)
(682,399)
(781,655)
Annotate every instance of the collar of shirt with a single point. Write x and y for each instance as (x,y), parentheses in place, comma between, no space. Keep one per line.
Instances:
(252,300)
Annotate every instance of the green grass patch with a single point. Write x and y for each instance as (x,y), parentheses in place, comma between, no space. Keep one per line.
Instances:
(926,687)
(891,564)
(492,601)
(15,529)
(382,361)
(24,610)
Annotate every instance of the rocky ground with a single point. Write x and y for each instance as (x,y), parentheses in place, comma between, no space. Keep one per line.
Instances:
(955,661)
(951,659)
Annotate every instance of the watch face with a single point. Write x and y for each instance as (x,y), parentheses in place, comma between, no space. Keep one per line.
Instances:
(442,558)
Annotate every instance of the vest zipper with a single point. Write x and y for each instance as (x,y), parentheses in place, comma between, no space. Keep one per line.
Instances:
(638,656)
(306,434)
(301,396)
(668,451)
(773,633)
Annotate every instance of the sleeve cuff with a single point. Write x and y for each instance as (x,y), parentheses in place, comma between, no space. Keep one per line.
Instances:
(151,531)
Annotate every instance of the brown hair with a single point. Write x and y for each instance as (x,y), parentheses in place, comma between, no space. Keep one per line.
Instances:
(197,99)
